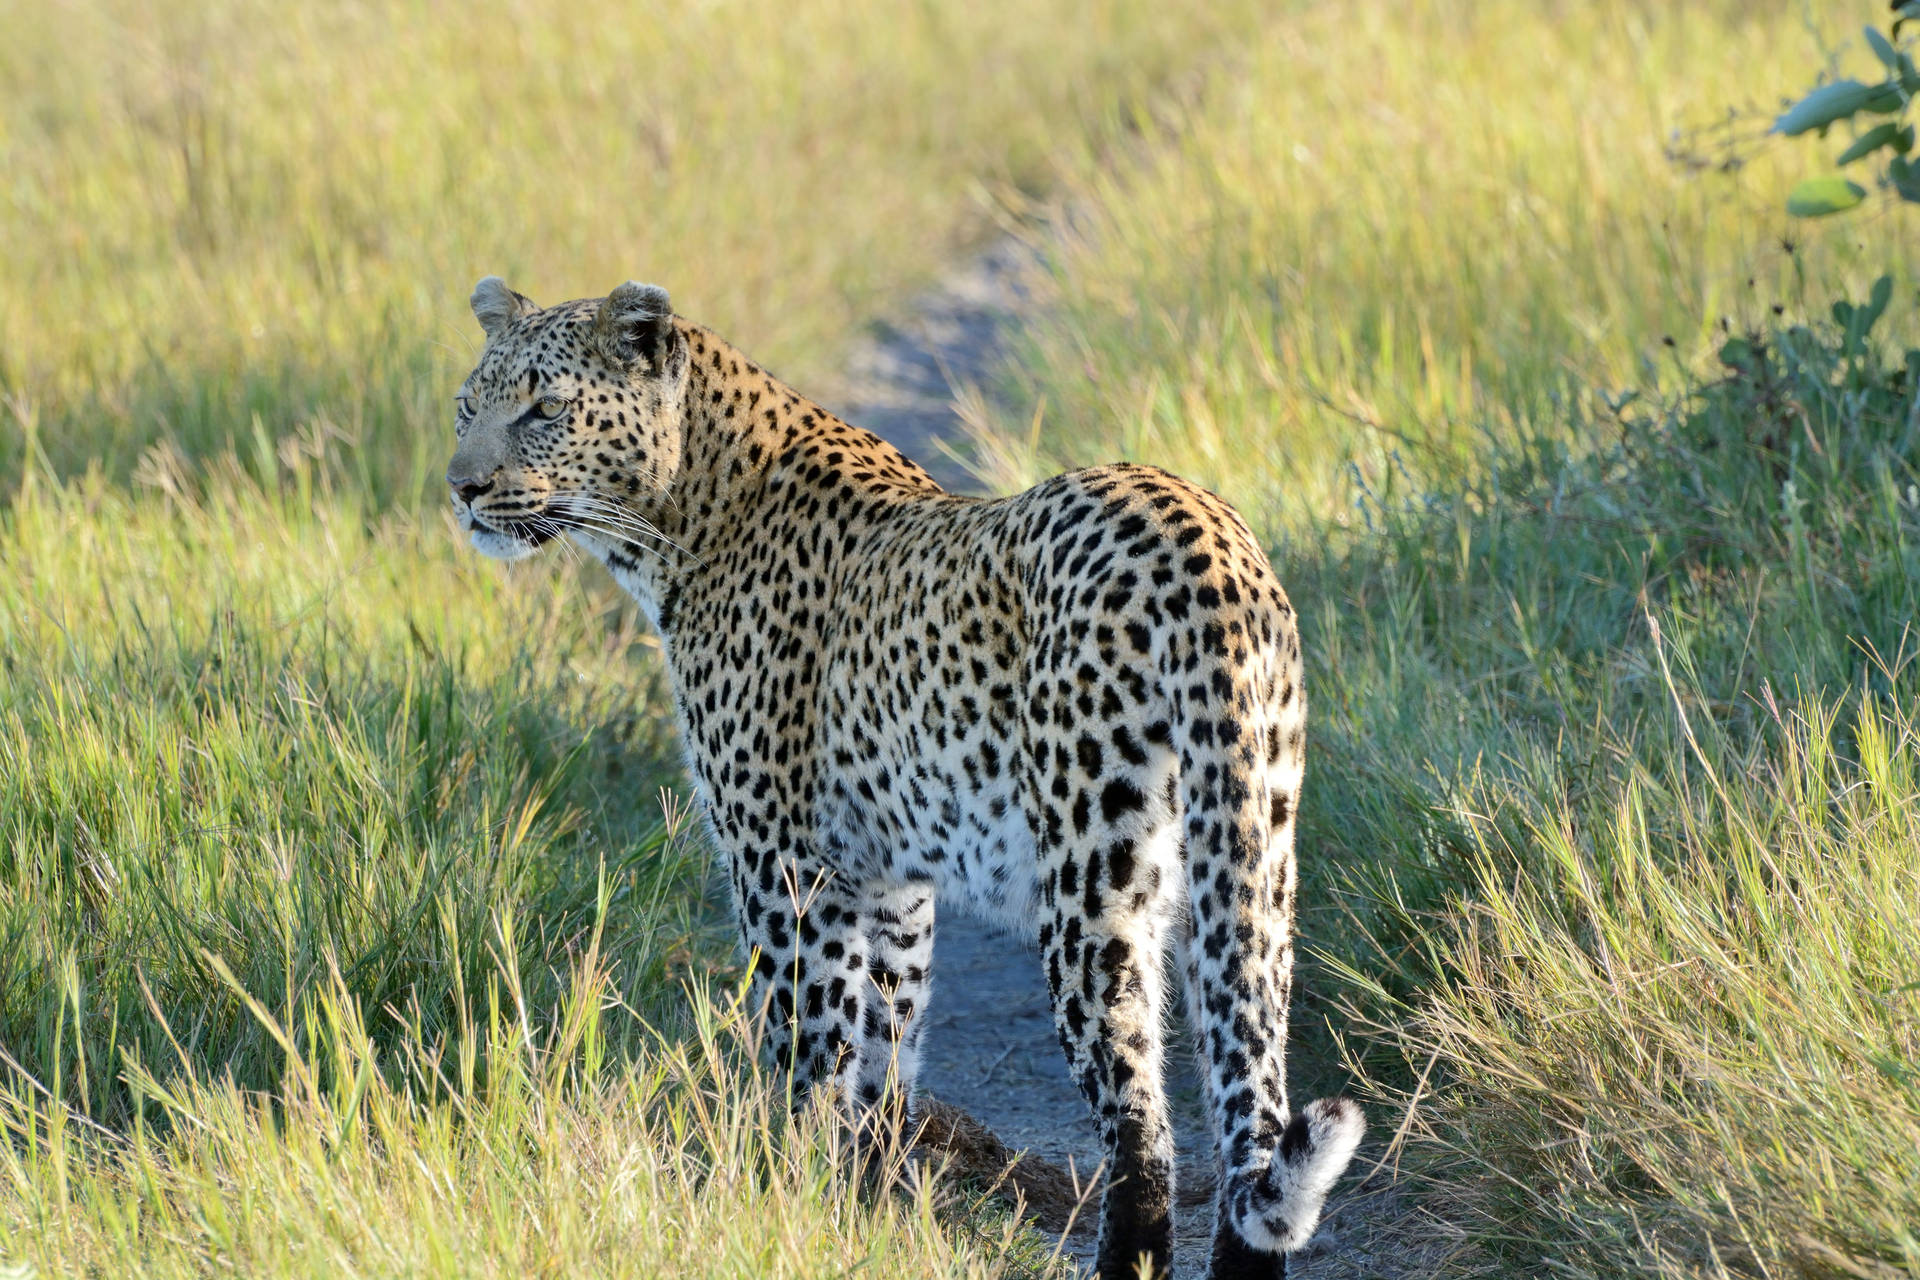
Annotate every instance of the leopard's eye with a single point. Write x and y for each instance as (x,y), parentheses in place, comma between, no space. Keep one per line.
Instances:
(463,406)
(550,406)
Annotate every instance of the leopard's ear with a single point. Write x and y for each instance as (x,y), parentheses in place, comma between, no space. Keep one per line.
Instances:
(495,306)
(632,324)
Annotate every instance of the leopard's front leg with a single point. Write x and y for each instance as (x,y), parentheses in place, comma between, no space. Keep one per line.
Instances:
(800,926)
(840,969)
(897,921)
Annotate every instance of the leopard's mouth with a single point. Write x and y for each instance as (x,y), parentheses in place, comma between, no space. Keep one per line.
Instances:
(511,539)
(532,530)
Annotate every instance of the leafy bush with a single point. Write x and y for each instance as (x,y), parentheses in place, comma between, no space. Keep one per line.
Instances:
(1851,101)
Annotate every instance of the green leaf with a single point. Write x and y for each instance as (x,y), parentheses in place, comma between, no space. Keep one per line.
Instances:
(1882,49)
(1905,175)
(1858,321)
(1878,299)
(1881,135)
(1818,197)
(1840,100)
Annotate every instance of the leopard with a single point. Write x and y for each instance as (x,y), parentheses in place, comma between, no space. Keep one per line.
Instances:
(1076,712)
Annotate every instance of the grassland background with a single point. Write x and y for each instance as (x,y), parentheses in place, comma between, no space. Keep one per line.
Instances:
(339,926)
(310,821)
(1611,822)
(231,211)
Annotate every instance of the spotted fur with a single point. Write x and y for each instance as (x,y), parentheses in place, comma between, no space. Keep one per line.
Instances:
(1077,710)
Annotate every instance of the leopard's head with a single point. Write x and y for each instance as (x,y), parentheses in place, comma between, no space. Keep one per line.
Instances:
(571,420)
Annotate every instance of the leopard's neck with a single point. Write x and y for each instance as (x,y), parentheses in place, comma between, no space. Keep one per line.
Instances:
(757,460)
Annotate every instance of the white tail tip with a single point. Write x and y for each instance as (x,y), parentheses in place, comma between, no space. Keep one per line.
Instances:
(1276,1209)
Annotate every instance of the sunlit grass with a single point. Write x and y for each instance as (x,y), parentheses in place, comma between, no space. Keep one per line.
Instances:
(1406,224)
(227,221)
(672,1157)
(1677,1021)
(1609,825)
(1615,745)
(237,733)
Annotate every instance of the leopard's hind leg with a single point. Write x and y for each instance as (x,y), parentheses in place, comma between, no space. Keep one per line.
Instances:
(1109,853)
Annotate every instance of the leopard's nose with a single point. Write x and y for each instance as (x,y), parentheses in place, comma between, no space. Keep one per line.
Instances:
(467,486)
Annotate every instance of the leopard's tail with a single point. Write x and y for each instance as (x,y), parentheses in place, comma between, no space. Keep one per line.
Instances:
(1240,778)
(1276,1209)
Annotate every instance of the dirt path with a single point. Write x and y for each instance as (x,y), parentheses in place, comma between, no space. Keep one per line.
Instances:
(900,380)
(990,1049)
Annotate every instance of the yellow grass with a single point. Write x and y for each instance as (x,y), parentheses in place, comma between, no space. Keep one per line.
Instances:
(1423,221)
(331,870)
(225,211)
(1609,828)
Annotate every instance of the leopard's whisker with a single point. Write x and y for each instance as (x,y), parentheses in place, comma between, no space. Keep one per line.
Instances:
(618,520)
(624,535)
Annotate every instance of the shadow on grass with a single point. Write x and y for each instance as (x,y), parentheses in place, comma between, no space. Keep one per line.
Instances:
(213,828)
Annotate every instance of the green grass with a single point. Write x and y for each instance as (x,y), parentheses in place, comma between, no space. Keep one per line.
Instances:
(1619,799)
(1672,1028)
(238,731)
(1610,825)
(227,220)
(666,1158)
(1425,222)
(342,926)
